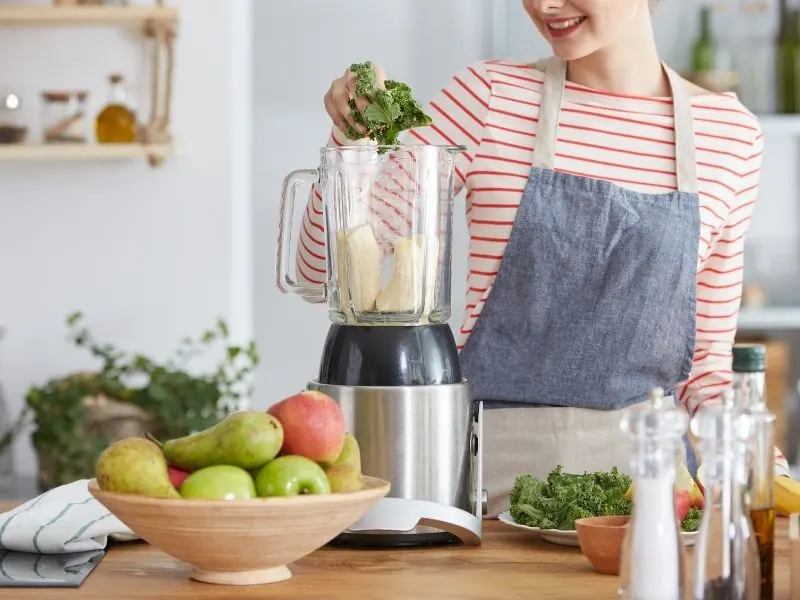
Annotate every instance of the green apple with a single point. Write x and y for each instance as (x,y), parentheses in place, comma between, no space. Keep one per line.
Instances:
(291,475)
(219,482)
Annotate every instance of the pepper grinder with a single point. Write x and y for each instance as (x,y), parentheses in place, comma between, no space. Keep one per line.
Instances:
(653,561)
(726,563)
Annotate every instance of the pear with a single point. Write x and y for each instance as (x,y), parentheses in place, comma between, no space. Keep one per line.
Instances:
(344,474)
(247,439)
(134,465)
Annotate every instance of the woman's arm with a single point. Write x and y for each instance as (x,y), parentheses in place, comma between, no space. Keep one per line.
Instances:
(719,292)
(459,113)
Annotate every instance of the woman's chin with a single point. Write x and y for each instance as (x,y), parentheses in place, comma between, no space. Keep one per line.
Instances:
(571,50)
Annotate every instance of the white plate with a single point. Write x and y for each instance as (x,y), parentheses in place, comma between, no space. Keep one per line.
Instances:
(570,537)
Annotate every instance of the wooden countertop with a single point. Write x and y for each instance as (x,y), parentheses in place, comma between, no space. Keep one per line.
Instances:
(509,564)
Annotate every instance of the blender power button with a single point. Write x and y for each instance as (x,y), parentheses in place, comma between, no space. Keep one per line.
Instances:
(473,445)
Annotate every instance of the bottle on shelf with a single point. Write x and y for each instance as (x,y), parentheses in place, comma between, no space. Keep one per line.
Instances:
(749,385)
(712,64)
(726,561)
(787,57)
(704,51)
(653,561)
(116,123)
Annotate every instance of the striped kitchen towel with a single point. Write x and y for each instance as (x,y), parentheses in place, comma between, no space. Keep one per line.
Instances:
(62,520)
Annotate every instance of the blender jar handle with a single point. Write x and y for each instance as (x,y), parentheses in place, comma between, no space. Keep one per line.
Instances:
(314,292)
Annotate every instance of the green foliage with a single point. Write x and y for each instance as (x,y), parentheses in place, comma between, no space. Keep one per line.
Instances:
(565,497)
(178,402)
(561,499)
(390,111)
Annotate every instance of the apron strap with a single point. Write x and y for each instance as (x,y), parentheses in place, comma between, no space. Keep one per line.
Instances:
(552,98)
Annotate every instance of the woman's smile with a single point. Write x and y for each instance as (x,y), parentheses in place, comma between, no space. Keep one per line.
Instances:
(563,27)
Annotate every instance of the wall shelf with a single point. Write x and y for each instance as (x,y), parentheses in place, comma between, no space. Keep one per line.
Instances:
(86,15)
(155,153)
(158,23)
(772,124)
(769,318)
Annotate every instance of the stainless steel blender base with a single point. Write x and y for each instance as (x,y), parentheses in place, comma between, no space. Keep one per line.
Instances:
(425,440)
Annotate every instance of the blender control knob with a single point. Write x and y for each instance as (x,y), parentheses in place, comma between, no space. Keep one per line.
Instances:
(473,445)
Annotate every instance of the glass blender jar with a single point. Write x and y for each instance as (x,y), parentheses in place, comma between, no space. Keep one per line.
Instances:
(388,232)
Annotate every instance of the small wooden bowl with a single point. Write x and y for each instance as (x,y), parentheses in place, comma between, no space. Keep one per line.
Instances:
(242,542)
(601,540)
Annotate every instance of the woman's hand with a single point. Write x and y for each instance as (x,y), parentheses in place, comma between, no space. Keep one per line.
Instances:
(338,96)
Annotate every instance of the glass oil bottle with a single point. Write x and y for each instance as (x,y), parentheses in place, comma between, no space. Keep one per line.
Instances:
(726,564)
(749,384)
(116,123)
(653,559)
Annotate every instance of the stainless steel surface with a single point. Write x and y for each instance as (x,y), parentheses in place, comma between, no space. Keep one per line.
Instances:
(423,439)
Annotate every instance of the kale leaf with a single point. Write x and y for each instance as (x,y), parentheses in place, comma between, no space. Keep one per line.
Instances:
(562,498)
(692,520)
(389,112)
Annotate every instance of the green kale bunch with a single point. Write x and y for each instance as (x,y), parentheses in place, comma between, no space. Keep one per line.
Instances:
(692,520)
(390,110)
(562,498)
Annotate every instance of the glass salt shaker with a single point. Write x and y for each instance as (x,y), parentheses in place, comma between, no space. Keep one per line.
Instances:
(653,562)
(726,563)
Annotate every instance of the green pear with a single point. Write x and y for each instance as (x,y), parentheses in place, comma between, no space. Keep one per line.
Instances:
(247,439)
(219,482)
(344,474)
(134,465)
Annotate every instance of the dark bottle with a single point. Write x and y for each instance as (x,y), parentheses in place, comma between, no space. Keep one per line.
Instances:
(704,51)
(787,56)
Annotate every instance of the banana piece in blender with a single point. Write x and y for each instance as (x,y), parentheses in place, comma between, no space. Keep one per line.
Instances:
(411,283)
(360,268)
(402,292)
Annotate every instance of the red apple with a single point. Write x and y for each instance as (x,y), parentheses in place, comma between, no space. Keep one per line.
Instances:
(313,426)
(176,476)
(683,503)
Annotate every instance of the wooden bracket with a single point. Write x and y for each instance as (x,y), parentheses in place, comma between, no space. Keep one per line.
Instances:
(157,128)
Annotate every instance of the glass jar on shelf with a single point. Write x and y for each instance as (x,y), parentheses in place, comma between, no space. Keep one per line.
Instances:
(64,117)
(116,123)
(12,128)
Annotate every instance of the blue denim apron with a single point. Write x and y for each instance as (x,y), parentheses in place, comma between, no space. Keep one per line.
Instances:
(594,302)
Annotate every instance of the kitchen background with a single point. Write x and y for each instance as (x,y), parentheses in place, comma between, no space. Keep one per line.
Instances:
(152,255)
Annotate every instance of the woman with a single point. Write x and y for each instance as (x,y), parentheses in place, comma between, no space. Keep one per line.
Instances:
(607,204)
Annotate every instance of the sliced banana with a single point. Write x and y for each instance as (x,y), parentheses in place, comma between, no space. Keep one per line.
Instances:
(412,284)
(359,268)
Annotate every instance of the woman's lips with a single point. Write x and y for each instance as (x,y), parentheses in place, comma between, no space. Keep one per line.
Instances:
(560,28)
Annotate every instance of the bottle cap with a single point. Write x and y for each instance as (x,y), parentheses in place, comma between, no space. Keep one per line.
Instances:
(655,419)
(749,358)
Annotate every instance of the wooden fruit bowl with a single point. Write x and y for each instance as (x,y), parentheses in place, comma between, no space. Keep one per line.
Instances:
(242,542)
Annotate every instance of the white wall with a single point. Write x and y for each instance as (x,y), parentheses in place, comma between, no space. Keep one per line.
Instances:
(429,42)
(149,255)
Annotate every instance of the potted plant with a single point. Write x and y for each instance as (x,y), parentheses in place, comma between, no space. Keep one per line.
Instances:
(74,417)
